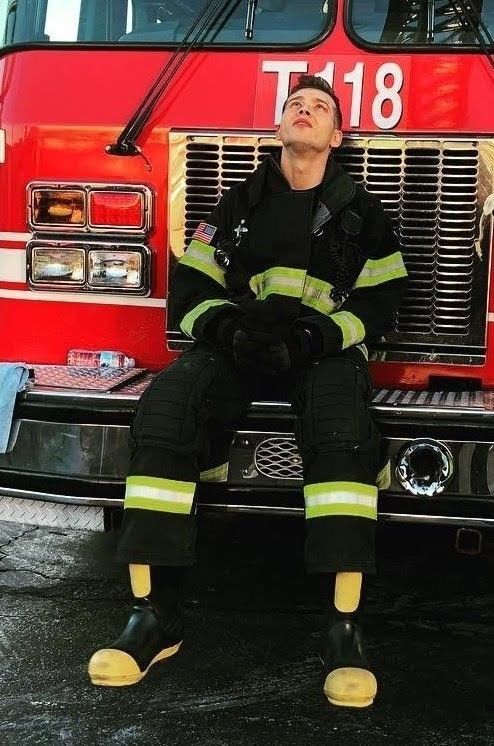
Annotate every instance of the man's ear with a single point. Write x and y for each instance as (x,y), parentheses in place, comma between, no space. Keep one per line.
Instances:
(336,139)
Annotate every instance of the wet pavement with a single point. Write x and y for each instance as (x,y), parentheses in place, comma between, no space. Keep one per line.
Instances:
(248,672)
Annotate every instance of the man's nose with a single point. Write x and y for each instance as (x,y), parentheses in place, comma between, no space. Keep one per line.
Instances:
(303,110)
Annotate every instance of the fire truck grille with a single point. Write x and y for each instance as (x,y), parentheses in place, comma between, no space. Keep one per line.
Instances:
(278,458)
(433,191)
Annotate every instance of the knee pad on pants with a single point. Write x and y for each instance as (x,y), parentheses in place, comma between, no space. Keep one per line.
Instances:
(333,406)
(171,412)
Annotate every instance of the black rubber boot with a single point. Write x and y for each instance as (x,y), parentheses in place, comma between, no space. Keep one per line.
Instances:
(153,633)
(348,679)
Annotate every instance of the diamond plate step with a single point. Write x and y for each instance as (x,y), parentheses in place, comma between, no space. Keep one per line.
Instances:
(39,513)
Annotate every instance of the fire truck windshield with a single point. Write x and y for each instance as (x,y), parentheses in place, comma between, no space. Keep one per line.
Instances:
(422,23)
(149,22)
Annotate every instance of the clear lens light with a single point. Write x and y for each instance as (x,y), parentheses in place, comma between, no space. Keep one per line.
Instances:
(51,266)
(58,207)
(122,269)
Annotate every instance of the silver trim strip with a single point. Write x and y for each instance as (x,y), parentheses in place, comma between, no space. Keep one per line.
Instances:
(96,299)
(400,411)
(49,393)
(12,265)
(391,517)
(15,236)
(440,413)
(53,498)
(437,519)
(261,509)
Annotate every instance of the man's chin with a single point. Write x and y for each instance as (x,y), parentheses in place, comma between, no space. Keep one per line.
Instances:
(301,146)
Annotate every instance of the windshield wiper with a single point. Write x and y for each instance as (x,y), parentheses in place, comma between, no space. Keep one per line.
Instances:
(474,26)
(249,19)
(208,17)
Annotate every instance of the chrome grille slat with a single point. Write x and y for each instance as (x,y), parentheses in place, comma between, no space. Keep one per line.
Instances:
(430,188)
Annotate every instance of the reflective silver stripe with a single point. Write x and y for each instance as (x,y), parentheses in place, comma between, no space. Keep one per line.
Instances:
(280,280)
(200,256)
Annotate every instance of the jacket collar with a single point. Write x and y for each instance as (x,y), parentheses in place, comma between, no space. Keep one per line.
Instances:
(338,187)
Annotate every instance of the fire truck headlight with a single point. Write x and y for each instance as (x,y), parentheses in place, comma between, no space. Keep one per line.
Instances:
(116,269)
(57,207)
(424,467)
(50,266)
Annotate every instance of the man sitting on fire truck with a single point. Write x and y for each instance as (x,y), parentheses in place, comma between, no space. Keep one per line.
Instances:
(294,269)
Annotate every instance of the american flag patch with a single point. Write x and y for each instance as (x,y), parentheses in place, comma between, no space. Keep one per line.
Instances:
(204,232)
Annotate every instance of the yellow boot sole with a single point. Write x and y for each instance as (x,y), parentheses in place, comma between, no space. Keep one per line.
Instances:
(350,687)
(110,667)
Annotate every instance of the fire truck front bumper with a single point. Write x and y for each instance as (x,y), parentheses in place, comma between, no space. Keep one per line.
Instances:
(68,458)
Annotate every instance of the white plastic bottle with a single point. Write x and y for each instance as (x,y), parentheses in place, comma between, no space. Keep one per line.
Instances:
(99,359)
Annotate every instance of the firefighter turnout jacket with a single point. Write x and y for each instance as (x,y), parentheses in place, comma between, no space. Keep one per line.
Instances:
(327,258)
(324,258)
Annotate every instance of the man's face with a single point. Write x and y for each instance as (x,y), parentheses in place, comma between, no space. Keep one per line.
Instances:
(308,122)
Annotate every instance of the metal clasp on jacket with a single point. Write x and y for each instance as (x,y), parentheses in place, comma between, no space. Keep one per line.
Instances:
(222,257)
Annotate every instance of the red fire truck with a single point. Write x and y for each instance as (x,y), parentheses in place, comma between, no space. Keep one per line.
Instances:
(123,121)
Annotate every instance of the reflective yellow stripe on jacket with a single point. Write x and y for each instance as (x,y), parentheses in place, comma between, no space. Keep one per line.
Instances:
(188,321)
(352,329)
(200,256)
(279,281)
(316,295)
(377,271)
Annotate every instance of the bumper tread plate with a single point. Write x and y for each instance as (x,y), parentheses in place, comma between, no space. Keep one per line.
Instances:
(41,513)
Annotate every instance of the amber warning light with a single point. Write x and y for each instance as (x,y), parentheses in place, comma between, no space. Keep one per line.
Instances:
(116,209)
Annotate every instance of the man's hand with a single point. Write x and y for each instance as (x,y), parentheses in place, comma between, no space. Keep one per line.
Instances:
(267,348)
(261,351)
(270,353)
(249,338)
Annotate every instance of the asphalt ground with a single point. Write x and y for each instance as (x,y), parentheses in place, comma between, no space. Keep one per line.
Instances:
(248,671)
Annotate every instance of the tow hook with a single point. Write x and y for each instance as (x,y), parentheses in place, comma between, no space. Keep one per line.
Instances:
(468,541)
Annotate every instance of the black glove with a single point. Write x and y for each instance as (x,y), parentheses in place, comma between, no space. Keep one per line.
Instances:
(288,353)
(242,336)
(325,335)
(269,353)
(260,343)
(233,336)
(252,349)
(263,316)
(221,335)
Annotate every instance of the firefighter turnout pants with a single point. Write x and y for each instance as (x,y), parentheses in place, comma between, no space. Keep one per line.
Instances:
(179,435)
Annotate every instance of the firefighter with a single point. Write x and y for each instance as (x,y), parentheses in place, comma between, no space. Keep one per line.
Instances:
(295,269)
